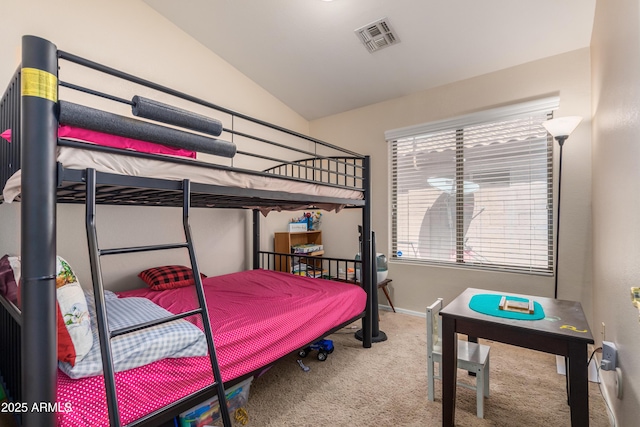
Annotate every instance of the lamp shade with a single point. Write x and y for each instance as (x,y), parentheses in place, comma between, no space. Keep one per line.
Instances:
(562,126)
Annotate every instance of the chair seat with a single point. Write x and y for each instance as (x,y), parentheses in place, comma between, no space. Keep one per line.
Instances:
(472,352)
(469,353)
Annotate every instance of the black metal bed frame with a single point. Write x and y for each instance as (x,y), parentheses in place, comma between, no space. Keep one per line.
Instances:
(29,108)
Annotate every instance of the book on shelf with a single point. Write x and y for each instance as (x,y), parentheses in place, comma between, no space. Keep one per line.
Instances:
(350,274)
(306,248)
(314,274)
(302,269)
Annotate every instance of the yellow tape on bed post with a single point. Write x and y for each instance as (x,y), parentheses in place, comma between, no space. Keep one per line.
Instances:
(39,83)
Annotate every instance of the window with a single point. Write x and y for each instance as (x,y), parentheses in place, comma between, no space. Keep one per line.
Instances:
(475,190)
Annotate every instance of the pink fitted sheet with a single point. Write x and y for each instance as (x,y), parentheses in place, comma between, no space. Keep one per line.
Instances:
(257,316)
(140,391)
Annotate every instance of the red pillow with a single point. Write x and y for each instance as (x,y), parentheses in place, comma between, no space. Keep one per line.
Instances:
(168,277)
(66,350)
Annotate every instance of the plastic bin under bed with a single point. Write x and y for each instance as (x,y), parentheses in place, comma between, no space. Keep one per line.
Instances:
(208,413)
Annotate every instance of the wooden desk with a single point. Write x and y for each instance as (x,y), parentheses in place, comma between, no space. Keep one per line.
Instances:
(567,337)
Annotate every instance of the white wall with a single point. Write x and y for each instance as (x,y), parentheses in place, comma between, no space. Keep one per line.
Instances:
(129,35)
(615,50)
(362,130)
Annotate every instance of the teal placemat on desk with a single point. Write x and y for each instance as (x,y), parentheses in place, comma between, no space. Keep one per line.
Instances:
(490,304)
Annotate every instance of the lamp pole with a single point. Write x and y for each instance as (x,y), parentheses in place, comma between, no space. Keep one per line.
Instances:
(560,129)
(560,140)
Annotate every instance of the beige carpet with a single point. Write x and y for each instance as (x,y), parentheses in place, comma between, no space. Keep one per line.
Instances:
(386,386)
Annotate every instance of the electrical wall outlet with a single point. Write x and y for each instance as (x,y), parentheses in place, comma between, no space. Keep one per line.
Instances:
(609,356)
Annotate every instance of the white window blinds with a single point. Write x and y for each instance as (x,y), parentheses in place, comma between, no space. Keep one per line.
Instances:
(475,190)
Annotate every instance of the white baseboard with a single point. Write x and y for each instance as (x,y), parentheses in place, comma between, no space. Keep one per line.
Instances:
(403,311)
(608,398)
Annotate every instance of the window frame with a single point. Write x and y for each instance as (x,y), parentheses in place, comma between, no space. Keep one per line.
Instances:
(531,108)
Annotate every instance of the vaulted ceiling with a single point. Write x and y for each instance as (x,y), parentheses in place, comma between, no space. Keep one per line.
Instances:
(308,54)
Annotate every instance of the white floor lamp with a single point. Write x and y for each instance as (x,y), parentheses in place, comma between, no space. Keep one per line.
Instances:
(560,129)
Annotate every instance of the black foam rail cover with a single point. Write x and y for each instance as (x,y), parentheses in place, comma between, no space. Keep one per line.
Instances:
(102,121)
(154,110)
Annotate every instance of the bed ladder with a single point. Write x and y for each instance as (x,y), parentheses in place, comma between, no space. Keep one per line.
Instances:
(103,328)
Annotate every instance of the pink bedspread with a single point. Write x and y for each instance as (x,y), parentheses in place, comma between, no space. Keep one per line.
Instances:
(257,316)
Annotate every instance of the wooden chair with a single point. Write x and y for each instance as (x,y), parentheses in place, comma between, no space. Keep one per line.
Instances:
(472,357)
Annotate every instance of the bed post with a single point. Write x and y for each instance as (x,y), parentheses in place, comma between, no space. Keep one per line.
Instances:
(38,128)
(376,334)
(366,332)
(256,239)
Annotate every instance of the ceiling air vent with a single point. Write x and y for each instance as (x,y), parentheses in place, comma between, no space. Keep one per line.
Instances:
(377,35)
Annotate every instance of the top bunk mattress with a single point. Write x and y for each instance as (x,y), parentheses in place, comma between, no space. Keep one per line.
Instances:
(122,164)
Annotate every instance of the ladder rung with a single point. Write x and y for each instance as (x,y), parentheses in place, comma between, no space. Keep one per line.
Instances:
(151,323)
(117,251)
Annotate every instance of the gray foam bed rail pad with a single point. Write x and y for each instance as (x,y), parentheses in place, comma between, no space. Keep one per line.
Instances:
(102,121)
(158,111)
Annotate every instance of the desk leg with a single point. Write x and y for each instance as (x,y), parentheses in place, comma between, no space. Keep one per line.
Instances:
(578,385)
(449,370)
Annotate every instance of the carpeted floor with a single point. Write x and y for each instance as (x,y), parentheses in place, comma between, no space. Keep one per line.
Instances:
(386,386)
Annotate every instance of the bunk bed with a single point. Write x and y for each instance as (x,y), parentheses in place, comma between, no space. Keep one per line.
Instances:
(63,152)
